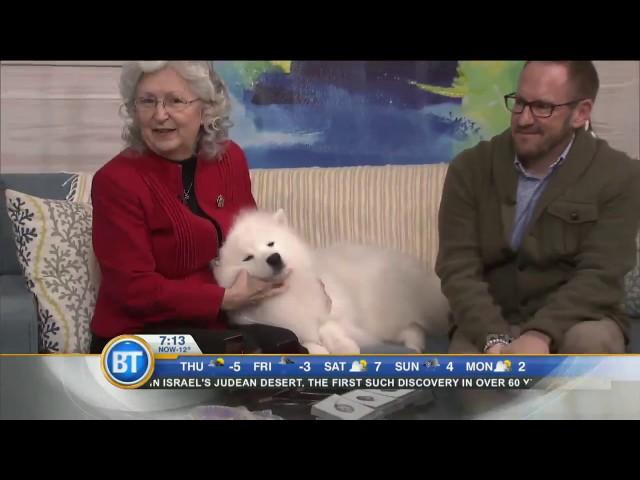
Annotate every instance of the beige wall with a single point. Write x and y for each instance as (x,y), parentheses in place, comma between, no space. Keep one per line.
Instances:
(58,118)
(616,116)
(63,116)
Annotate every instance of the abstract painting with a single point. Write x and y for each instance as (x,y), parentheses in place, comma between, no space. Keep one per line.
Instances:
(344,113)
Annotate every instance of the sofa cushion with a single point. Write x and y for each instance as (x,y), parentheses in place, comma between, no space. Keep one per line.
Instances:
(394,206)
(18,324)
(45,185)
(53,239)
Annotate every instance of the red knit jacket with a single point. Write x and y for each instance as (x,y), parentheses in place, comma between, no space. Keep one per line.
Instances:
(153,252)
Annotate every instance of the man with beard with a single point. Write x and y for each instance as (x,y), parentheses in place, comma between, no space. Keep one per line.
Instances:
(537,226)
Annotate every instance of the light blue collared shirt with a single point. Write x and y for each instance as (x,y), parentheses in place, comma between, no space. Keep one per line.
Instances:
(530,188)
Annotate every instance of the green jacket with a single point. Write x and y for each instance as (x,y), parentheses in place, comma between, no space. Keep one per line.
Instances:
(573,257)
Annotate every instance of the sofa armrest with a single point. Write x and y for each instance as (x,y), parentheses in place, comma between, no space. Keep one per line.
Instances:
(18,316)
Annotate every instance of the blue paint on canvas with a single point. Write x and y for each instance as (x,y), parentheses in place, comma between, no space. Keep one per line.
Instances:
(339,113)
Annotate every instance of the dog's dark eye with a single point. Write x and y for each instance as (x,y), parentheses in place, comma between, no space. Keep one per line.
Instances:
(270,244)
(247,258)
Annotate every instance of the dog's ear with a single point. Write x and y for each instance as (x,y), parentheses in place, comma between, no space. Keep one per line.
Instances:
(281,217)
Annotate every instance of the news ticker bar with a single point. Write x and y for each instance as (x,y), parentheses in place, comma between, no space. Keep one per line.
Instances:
(390,383)
(345,367)
(175,361)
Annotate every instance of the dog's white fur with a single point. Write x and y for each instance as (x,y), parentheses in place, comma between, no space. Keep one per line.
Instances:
(340,299)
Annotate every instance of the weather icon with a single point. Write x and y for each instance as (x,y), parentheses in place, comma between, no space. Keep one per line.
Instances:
(358,366)
(503,366)
(433,363)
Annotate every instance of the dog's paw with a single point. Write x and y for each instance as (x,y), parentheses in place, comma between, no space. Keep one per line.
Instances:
(315,349)
(336,340)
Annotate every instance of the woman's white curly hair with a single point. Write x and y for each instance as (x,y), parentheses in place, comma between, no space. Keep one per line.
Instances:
(204,82)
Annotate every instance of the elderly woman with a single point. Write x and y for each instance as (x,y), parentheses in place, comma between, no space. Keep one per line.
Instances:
(162,208)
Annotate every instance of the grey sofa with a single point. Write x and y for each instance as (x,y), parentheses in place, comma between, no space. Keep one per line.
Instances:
(18,312)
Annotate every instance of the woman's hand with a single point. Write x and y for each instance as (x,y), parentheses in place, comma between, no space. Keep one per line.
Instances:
(247,290)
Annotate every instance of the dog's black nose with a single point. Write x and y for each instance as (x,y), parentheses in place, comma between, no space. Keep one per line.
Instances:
(275,260)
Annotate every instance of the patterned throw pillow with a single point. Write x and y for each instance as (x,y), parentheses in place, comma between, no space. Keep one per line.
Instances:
(632,286)
(53,239)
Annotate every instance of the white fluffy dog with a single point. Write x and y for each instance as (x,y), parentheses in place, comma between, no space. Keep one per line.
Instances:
(340,299)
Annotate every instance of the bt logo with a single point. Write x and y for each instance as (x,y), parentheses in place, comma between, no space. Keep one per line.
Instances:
(127,361)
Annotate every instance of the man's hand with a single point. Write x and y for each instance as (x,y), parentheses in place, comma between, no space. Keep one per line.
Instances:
(531,342)
(247,290)
(496,349)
